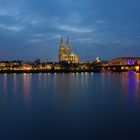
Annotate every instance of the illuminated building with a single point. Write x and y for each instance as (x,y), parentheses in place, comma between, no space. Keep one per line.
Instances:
(65,54)
(98,59)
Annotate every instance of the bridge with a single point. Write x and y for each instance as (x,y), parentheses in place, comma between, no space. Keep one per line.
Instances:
(122,64)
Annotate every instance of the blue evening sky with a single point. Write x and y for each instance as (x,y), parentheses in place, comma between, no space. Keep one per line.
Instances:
(32,29)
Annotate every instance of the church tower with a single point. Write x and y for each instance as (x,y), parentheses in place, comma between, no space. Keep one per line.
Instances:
(65,54)
(61,50)
(68,49)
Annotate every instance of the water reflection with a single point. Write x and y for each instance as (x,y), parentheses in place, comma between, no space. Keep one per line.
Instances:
(15,84)
(5,84)
(130,87)
(63,88)
(133,87)
(64,84)
(85,102)
(138,77)
(67,87)
(26,88)
(40,80)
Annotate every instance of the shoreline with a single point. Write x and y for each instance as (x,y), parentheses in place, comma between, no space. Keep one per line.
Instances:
(58,71)
(48,71)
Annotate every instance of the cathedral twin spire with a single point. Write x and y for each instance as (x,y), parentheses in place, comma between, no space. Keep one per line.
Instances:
(62,42)
(66,50)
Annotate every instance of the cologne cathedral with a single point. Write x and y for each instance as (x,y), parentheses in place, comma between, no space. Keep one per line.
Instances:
(65,54)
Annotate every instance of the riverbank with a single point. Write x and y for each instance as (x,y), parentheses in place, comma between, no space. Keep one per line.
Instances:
(47,71)
(62,71)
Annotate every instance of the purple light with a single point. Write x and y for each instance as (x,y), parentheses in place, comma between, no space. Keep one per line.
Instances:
(131,62)
(131,72)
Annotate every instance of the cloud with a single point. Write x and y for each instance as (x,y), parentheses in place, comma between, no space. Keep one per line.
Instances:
(76,29)
(13,13)
(35,40)
(14,28)
(101,21)
(31,19)
(11,8)
(54,36)
(38,35)
(88,23)
(85,40)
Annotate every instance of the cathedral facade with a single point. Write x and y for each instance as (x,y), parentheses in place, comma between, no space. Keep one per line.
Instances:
(65,53)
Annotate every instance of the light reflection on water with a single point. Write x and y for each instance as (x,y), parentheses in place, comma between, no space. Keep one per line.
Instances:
(5,84)
(74,100)
(61,83)
(26,88)
(15,84)
(67,83)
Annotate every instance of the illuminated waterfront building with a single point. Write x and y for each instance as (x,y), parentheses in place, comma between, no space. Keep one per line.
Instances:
(65,54)
(98,59)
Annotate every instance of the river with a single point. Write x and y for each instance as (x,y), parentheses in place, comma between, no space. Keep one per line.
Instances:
(72,106)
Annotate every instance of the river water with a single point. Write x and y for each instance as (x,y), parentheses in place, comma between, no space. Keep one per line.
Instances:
(86,106)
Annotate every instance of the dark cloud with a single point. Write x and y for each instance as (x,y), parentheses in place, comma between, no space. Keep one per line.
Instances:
(32,28)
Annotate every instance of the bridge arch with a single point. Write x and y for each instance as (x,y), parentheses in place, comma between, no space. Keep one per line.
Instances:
(125,61)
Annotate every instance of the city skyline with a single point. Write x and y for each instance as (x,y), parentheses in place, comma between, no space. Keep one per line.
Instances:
(32,29)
